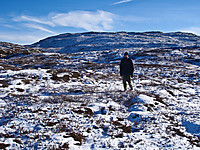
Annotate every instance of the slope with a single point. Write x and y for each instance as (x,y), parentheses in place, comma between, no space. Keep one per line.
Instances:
(75,101)
(89,41)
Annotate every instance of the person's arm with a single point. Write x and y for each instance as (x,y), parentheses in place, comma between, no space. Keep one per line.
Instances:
(121,68)
(132,68)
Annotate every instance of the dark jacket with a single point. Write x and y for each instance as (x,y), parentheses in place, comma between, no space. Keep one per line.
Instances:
(126,67)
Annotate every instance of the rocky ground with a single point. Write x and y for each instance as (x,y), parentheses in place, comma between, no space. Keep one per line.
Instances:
(76,101)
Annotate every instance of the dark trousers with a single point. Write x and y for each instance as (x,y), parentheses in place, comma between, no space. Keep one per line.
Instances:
(127,78)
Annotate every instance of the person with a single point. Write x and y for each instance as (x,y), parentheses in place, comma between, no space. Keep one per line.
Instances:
(126,71)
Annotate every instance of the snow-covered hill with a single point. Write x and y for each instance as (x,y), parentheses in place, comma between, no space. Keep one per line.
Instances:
(76,100)
(10,50)
(89,41)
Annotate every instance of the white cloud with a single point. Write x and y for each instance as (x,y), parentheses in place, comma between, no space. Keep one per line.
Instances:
(123,1)
(35,23)
(88,20)
(39,27)
(34,19)
(45,26)
(195,30)
(100,20)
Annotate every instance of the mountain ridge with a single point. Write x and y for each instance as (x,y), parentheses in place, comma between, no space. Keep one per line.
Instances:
(89,41)
(66,100)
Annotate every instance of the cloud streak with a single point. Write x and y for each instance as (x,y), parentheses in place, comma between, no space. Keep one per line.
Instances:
(88,20)
(34,26)
(123,1)
(24,18)
(26,29)
(99,20)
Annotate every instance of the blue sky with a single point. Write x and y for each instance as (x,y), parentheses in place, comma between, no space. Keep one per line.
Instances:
(28,21)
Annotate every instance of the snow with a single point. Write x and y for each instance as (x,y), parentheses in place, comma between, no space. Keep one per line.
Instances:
(97,41)
(41,108)
(145,99)
(2,103)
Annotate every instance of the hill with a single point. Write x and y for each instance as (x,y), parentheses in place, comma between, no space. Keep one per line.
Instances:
(75,100)
(10,50)
(89,41)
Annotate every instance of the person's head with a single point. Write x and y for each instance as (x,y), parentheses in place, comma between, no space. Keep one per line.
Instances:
(126,54)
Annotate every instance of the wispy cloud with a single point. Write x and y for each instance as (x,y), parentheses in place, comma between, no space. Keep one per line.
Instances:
(100,20)
(25,18)
(88,20)
(26,29)
(35,26)
(123,1)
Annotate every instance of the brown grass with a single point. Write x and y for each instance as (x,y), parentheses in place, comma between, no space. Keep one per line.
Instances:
(3,146)
(78,137)
(4,83)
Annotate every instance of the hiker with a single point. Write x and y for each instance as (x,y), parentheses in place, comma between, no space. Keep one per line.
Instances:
(126,70)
